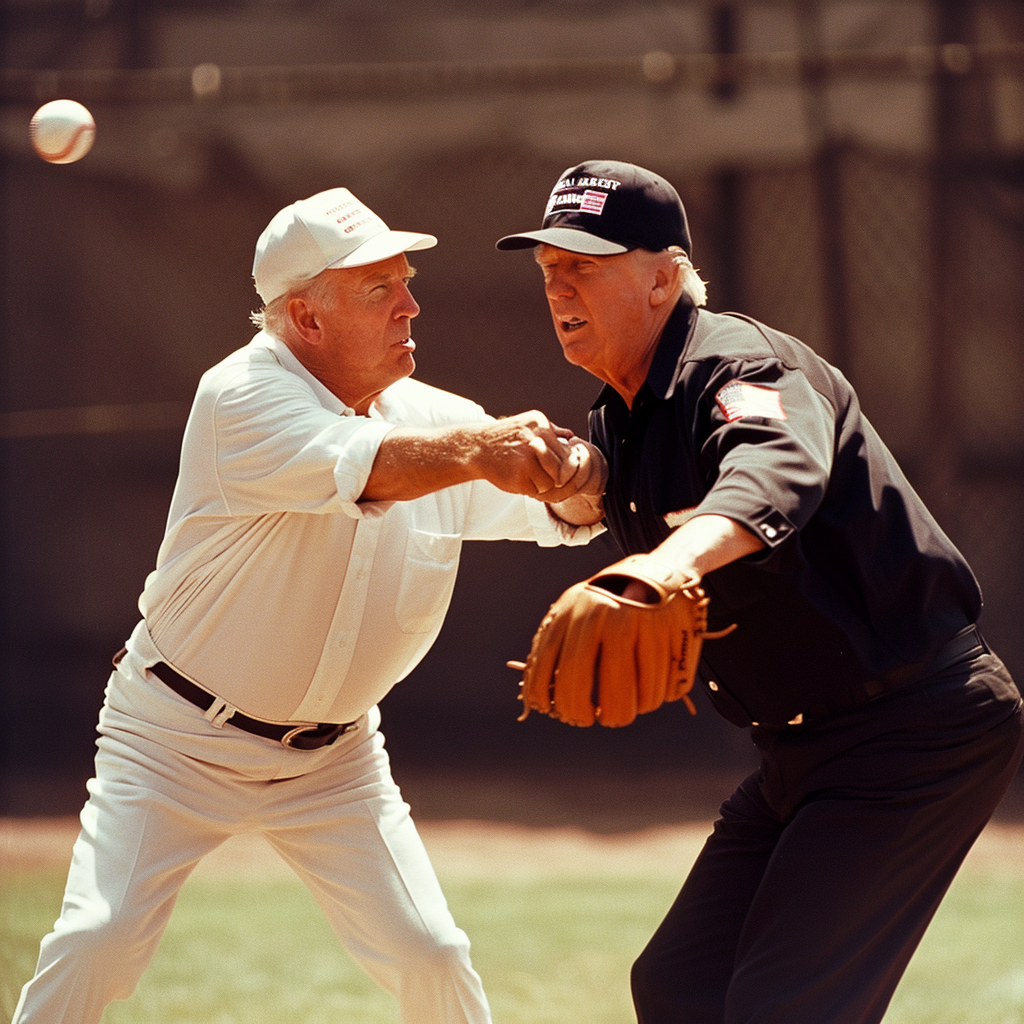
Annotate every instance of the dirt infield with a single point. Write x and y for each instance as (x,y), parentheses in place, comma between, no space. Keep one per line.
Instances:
(484,849)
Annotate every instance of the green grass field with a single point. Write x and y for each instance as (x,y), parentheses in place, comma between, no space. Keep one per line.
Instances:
(250,947)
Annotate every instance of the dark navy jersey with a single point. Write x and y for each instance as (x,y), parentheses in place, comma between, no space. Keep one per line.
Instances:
(857,580)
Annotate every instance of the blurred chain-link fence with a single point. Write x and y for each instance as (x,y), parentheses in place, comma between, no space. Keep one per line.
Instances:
(126,275)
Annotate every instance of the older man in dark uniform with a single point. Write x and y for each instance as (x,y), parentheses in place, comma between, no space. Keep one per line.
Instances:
(888,730)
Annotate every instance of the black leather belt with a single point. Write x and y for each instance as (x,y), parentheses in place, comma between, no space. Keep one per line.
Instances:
(296,737)
(966,642)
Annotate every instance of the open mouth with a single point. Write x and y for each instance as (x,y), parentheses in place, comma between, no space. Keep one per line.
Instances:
(572,324)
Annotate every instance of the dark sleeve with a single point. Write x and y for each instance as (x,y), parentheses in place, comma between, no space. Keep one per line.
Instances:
(767,448)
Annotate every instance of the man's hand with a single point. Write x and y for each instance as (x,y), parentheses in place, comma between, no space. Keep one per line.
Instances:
(585,505)
(528,454)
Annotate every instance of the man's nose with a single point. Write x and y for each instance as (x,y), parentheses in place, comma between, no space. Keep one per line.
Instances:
(407,306)
(557,286)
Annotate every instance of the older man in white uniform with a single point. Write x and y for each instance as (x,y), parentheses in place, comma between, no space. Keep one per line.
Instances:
(310,553)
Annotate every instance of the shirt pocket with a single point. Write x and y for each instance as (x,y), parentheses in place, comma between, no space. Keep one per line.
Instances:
(428,578)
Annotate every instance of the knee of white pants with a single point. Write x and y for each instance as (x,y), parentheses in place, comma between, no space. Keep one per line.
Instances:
(90,941)
(431,950)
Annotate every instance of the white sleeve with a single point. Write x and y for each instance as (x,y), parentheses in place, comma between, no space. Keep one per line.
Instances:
(268,445)
(494,514)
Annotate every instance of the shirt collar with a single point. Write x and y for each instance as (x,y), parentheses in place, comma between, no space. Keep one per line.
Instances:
(287,358)
(666,366)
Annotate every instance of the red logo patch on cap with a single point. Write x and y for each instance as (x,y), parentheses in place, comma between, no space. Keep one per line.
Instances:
(739,399)
(592,201)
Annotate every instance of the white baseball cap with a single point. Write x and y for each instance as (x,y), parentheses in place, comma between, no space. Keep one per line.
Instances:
(331,229)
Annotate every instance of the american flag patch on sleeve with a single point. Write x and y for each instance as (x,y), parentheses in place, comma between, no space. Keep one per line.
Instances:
(737,400)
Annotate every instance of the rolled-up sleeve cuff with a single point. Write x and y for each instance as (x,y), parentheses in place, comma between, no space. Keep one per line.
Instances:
(352,470)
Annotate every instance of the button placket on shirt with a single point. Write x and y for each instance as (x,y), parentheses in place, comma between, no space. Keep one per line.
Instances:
(344,630)
(629,460)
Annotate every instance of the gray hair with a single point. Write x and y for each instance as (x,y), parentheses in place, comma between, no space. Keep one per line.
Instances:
(273,317)
(693,287)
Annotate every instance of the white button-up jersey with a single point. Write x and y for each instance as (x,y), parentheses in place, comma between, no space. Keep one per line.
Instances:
(275,588)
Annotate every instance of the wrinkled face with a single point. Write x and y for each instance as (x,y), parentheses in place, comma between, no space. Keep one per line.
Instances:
(366,328)
(600,308)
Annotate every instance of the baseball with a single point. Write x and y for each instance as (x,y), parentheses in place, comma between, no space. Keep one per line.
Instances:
(62,131)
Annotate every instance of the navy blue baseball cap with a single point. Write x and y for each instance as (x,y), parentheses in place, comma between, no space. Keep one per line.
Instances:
(605,207)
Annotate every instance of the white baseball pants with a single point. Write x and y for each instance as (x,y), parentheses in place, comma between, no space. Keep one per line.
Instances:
(170,787)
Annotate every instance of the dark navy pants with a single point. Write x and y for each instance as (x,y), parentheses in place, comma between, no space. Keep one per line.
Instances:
(828,863)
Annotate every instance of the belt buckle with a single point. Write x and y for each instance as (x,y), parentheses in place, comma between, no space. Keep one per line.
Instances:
(293,738)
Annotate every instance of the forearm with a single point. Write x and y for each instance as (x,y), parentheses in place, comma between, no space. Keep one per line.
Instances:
(414,461)
(706,543)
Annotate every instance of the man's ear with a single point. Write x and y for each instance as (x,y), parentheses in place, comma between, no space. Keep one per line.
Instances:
(304,320)
(664,285)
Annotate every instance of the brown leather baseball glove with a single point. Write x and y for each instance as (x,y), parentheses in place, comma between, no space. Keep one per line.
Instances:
(601,657)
